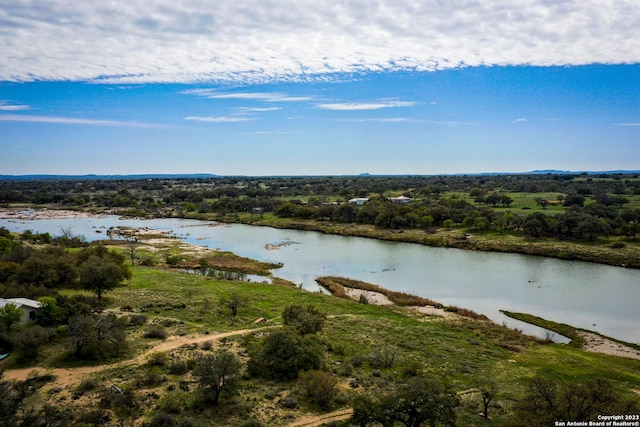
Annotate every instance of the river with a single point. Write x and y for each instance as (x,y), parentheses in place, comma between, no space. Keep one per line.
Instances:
(601,298)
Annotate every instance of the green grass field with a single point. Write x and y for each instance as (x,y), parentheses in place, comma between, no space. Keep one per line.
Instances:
(460,351)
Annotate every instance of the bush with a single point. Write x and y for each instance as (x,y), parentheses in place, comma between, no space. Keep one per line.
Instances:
(27,341)
(320,387)
(383,358)
(306,320)
(155,333)
(163,420)
(284,353)
(158,358)
(178,367)
(86,385)
(289,402)
(137,319)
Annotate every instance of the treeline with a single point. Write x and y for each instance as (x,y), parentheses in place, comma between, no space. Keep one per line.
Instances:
(159,192)
(594,205)
(577,223)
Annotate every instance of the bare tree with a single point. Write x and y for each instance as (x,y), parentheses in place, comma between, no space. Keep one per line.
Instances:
(132,248)
(234,303)
(488,391)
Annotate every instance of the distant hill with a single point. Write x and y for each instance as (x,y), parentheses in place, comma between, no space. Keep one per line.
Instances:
(103,177)
(363,175)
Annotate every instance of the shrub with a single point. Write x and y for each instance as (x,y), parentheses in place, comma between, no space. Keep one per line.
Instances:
(306,320)
(320,387)
(383,358)
(178,367)
(94,417)
(289,402)
(137,319)
(27,341)
(87,384)
(163,420)
(158,358)
(155,333)
(284,353)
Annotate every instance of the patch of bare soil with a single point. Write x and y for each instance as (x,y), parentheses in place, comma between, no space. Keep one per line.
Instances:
(376,298)
(598,344)
(318,420)
(430,310)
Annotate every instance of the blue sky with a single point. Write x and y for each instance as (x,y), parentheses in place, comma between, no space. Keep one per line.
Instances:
(296,88)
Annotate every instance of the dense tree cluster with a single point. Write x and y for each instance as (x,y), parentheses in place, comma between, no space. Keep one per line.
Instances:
(594,202)
(548,402)
(286,352)
(39,273)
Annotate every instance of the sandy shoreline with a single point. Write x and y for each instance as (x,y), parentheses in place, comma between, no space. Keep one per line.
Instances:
(599,344)
(24,214)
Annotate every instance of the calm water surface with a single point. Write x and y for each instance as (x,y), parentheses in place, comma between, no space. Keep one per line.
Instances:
(590,296)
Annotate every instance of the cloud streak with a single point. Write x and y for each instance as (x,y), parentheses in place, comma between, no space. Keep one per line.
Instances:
(220,119)
(244,41)
(5,106)
(355,106)
(77,121)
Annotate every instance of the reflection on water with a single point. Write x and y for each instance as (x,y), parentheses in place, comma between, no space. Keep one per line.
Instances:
(590,296)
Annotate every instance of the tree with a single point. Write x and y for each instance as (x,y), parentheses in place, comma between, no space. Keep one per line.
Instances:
(101,275)
(10,314)
(422,399)
(218,373)
(132,249)
(27,341)
(95,337)
(546,402)
(321,387)
(284,353)
(48,313)
(306,320)
(488,391)
(234,303)
(414,403)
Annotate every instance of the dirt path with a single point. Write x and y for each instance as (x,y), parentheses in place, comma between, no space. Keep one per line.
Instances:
(318,420)
(72,376)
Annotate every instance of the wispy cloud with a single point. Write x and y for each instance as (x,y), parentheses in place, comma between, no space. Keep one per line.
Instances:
(77,121)
(268,132)
(256,109)
(627,124)
(7,106)
(519,120)
(407,120)
(220,119)
(300,40)
(355,106)
(257,96)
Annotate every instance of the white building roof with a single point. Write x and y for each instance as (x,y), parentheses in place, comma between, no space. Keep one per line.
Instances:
(20,302)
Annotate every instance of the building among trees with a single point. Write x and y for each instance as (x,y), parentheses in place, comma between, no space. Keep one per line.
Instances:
(28,306)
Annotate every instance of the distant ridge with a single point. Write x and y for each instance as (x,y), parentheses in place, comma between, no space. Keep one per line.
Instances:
(103,177)
(46,177)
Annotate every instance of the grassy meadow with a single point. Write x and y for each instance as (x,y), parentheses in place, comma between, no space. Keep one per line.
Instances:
(463,352)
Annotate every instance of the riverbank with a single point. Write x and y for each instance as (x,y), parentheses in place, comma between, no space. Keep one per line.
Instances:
(605,253)
(581,338)
(625,255)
